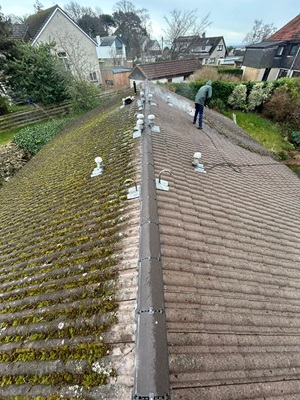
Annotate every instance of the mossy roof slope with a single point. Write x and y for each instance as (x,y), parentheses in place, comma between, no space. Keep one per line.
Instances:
(61,233)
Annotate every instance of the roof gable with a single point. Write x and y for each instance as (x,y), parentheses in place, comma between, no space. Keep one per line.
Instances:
(289,31)
(37,22)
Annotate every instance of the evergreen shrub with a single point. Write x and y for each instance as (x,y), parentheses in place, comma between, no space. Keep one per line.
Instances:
(231,71)
(238,97)
(295,138)
(33,137)
(3,105)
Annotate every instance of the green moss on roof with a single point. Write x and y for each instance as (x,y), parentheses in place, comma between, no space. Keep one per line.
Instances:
(61,232)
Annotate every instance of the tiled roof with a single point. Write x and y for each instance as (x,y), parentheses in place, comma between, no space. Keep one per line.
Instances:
(224,246)
(289,31)
(107,40)
(166,69)
(64,256)
(230,248)
(197,41)
(18,31)
(36,21)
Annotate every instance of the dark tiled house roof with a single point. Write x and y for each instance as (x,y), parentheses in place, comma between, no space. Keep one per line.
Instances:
(18,31)
(289,31)
(35,22)
(165,69)
(109,40)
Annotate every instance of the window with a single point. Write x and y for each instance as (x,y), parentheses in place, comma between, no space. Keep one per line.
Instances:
(62,55)
(170,80)
(206,61)
(109,82)
(279,50)
(293,50)
(93,76)
(203,48)
(282,73)
(212,60)
(220,47)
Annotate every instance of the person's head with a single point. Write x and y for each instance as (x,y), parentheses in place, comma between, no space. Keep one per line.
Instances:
(209,83)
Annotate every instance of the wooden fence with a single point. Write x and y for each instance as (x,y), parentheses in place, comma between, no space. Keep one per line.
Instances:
(37,113)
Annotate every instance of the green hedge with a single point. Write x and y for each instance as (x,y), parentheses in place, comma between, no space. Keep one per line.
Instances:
(232,71)
(33,137)
(220,90)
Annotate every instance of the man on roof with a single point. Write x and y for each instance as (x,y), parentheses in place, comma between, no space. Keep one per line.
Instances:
(203,94)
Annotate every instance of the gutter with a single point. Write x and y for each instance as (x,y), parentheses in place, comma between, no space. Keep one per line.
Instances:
(151,379)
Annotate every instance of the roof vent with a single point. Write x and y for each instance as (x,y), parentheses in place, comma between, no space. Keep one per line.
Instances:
(137,130)
(99,169)
(196,163)
(154,128)
(169,102)
(151,119)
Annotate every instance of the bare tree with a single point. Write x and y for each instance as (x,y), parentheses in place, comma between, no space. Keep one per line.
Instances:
(259,32)
(181,24)
(76,59)
(76,11)
(15,19)
(130,27)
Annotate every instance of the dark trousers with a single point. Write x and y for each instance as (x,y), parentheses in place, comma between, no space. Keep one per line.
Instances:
(198,110)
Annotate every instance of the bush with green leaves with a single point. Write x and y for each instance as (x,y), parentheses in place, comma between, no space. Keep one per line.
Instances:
(84,95)
(284,104)
(295,138)
(35,73)
(33,137)
(3,105)
(259,93)
(238,97)
(230,71)
(220,90)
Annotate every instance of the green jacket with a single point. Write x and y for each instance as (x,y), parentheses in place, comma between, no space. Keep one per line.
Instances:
(204,93)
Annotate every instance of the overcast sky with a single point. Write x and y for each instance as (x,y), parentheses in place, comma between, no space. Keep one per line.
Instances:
(232,19)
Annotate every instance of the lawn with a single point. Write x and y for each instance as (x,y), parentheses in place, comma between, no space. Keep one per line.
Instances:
(6,136)
(268,134)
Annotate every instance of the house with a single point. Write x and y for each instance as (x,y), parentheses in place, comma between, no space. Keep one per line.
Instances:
(276,57)
(209,49)
(72,45)
(164,71)
(231,61)
(151,50)
(111,51)
(186,289)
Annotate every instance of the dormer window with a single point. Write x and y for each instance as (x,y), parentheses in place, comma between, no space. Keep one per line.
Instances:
(293,50)
(279,50)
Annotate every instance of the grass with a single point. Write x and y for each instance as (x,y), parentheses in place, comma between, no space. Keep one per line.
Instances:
(7,136)
(268,134)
